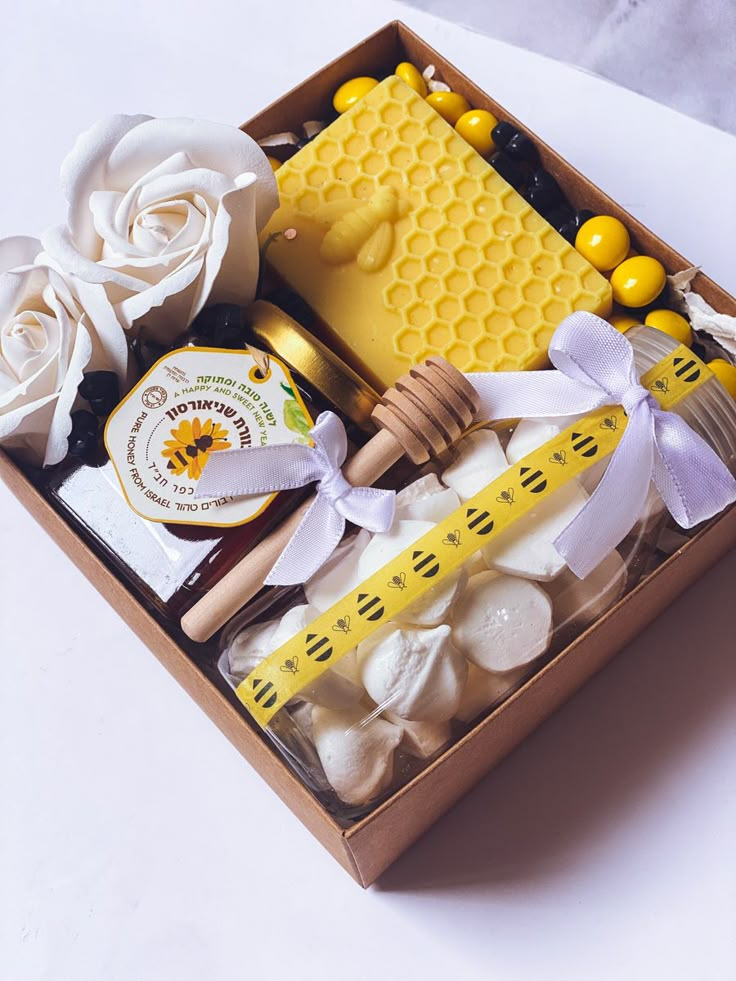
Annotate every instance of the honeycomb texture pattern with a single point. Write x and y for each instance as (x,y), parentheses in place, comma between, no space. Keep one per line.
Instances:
(473,273)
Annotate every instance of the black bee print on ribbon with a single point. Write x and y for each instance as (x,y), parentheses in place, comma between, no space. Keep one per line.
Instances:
(685,371)
(320,648)
(479,522)
(453,538)
(584,445)
(534,482)
(610,423)
(426,564)
(506,497)
(342,625)
(661,385)
(559,457)
(266,695)
(370,607)
(291,665)
(397,582)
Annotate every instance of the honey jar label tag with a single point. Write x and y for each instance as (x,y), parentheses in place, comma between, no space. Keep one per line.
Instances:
(441,551)
(193,403)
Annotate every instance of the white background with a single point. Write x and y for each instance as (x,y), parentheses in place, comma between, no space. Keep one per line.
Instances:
(135,844)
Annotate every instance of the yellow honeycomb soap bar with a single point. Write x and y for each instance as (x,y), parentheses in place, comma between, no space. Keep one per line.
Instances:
(410,244)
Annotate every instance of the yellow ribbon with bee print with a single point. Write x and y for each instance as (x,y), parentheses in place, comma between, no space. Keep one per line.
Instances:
(406,578)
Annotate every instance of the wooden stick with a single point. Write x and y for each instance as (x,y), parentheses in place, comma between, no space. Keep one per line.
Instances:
(421,415)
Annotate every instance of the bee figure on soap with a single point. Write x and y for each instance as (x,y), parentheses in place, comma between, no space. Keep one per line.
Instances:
(361,231)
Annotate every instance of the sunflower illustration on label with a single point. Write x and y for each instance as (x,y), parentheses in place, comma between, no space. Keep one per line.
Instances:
(193,403)
(192,444)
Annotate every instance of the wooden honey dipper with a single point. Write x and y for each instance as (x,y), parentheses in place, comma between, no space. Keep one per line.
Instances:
(420,416)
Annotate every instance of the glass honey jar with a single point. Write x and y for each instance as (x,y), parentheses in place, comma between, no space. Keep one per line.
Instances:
(170,564)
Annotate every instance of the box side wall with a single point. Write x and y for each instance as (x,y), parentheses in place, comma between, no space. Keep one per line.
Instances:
(381,837)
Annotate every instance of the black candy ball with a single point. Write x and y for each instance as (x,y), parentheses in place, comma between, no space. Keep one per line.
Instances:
(521,149)
(509,170)
(102,390)
(220,325)
(543,193)
(502,133)
(84,432)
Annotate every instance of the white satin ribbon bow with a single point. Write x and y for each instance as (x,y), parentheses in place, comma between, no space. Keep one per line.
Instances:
(595,367)
(285,466)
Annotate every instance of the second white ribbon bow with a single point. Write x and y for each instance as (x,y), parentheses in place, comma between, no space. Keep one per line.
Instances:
(285,466)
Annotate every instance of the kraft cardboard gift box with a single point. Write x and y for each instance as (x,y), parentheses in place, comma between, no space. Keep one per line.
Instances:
(368,847)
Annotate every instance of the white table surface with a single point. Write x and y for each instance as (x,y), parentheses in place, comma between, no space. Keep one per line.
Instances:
(132,834)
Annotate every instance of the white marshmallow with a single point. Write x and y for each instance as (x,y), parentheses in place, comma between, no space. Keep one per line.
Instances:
(502,623)
(386,546)
(356,754)
(250,647)
(529,435)
(434,607)
(426,500)
(339,575)
(526,549)
(581,601)
(417,674)
(421,739)
(339,687)
(478,461)
(485,688)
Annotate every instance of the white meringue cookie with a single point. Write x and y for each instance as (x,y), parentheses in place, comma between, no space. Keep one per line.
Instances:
(582,601)
(417,674)
(434,607)
(485,688)
(529,435)
(339,687)
(526,549)
(421,739)
(250,647)
(356,754)
(426,500)
(479,460)
(501,623)
(339,575)
(386,546)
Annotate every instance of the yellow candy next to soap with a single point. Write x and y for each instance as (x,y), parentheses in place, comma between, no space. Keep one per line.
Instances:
(450,105)
(623,322)
(475,128)
(638,281)
(670,323)
(604,241)
(725,372)
(412,76)
(275,164)
(350,92)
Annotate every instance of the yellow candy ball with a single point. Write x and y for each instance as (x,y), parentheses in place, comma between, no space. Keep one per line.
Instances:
(275,164)
(725,372)
(412,76)
(450,105)
(670,323)
(623,322)
(604,241)
(475,128)
(638,281)
(351,91)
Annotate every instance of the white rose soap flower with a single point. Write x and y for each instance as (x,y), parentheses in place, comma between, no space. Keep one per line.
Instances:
(164,216)
(47,341)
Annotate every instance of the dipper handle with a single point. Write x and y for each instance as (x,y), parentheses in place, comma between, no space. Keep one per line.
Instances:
(422,414)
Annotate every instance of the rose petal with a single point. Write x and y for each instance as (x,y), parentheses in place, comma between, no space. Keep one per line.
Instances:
(57,446)
(18,250)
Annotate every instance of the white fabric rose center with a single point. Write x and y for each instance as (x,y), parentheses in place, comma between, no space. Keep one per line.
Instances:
(28,342)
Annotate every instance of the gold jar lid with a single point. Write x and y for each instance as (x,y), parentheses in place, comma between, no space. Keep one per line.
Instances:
(320,367)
